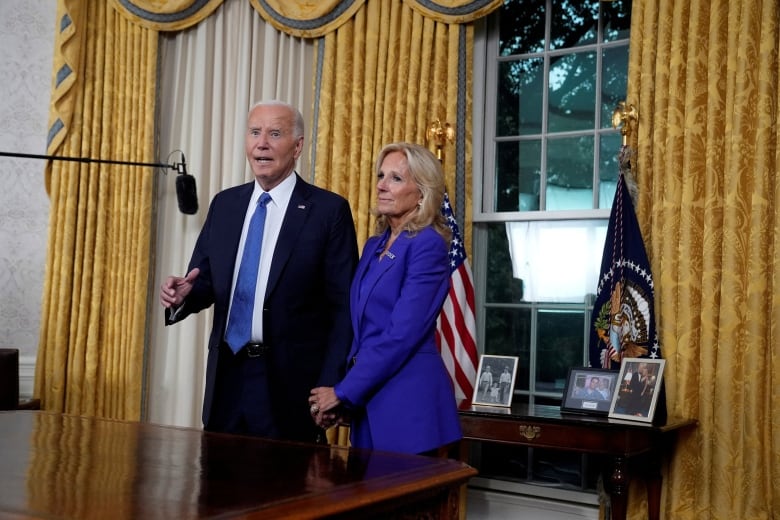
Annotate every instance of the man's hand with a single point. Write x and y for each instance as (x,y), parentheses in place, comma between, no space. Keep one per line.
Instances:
(175,288)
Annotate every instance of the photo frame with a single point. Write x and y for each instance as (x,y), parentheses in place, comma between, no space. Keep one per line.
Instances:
(639,385)
(495,382)
(589,390)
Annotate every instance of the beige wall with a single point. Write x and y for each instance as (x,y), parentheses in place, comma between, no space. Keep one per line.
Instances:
(27,38)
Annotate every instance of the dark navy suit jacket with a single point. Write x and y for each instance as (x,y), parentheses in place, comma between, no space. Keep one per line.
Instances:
(306,309)
(401,394)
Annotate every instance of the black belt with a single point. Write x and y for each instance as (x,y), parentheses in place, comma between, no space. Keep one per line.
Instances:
(254,350)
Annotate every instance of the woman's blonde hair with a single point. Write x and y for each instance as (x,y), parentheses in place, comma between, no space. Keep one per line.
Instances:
(426,172)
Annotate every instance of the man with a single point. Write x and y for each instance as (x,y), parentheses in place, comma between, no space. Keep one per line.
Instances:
(592,391)
(296,332)
(486,382)
(505,381)
(604,388)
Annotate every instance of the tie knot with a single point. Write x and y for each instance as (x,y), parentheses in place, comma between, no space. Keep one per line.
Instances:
(264,199)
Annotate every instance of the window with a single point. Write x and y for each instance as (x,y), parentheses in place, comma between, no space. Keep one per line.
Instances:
(554,72)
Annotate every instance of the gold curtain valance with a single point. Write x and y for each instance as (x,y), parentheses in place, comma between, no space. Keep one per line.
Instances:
(306,19)
(454,11)
(166,15)
(300,18)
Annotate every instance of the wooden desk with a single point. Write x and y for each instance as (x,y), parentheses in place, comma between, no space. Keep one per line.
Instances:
(61,467)
(546,427)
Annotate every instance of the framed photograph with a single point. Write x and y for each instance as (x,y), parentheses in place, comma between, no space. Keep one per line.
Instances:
(495,380)
(589,390)
(639,384)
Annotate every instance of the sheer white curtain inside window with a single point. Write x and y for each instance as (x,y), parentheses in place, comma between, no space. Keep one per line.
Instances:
(541,253)
(210,75)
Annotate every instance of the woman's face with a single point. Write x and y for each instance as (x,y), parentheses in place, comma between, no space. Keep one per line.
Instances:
(397,193)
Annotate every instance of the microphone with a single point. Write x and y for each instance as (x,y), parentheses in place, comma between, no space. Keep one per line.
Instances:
(185,184)
(185,189)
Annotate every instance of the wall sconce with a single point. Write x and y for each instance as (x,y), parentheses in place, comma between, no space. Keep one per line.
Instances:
(440,134)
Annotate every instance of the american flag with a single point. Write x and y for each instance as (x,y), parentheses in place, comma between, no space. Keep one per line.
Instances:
(456,326)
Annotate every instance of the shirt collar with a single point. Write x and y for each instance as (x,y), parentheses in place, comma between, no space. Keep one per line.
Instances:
(280,195)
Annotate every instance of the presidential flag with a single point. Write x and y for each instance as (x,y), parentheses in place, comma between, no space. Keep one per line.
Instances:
(456,326)
(623,324)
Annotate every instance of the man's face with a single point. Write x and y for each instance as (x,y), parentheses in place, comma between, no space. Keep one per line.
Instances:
(271,145)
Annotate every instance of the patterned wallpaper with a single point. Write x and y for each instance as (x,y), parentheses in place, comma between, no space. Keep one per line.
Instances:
(26,37)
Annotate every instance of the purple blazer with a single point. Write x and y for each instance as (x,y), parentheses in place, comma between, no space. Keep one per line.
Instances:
(398,387)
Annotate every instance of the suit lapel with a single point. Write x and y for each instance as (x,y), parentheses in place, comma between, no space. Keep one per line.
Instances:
(294,219)
(228,234)
(369,278)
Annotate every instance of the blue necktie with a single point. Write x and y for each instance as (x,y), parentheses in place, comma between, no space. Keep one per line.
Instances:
(239,328)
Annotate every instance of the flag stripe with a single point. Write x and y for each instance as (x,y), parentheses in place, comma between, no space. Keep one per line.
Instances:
(456,326)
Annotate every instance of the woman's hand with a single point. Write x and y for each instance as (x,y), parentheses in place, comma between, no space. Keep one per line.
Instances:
(322,406)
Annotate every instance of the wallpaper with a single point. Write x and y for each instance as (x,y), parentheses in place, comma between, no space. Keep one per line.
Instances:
(26,37)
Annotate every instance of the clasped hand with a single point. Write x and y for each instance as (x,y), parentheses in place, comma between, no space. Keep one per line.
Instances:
(324,407)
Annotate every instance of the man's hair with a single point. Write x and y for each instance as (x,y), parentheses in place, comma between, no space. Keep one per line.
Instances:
(298,127)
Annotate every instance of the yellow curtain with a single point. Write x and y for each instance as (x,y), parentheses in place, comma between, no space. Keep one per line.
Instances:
(90,356)
(385,76)
(704,76)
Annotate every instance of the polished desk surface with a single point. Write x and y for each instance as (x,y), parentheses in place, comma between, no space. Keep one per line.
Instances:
(62,466)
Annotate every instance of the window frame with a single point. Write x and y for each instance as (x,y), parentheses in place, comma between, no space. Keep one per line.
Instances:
(485,62)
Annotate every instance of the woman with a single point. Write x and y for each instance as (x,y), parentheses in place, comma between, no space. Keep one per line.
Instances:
(397,391)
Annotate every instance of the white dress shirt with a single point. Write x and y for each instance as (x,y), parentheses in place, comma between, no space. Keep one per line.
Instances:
(275,210)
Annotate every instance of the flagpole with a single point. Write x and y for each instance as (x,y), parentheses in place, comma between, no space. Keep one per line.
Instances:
(625,117)
(456,332)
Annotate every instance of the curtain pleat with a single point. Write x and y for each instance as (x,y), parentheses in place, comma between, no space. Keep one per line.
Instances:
(90,356)
(704,75)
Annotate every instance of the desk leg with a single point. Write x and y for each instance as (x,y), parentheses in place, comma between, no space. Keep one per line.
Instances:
(653,481)
(618,488)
